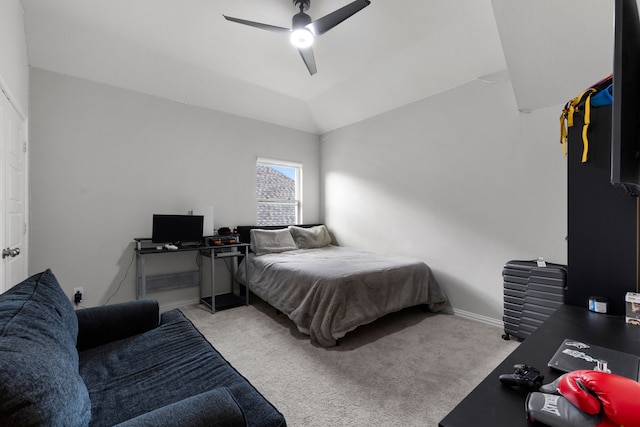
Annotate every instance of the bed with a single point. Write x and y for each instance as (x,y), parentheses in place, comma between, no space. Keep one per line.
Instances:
(329,290)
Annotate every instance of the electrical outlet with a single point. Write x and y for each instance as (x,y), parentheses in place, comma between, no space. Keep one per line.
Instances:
(78,295)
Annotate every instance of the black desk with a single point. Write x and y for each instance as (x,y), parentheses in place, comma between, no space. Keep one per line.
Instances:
(214,302)
(493,404)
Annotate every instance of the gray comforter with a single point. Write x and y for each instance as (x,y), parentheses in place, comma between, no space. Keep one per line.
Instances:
(330,291)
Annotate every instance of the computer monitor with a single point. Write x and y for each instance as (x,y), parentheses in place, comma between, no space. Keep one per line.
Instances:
(177,229)
(625,135)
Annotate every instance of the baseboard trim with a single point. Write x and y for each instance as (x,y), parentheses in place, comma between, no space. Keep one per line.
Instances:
(473,316)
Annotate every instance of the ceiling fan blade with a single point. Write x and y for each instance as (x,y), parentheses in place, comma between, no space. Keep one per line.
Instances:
(307,56)
(327,22)
(258,25)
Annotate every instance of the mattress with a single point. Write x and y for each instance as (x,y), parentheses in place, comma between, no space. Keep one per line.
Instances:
(332,290)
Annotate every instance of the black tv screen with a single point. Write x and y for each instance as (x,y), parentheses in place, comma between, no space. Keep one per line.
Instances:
(177,229)
(625,120)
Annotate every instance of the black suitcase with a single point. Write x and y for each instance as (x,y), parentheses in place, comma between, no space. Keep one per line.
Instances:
(531,294)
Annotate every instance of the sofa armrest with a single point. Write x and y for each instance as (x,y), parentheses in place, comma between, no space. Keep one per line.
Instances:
(212,408)
(100,325)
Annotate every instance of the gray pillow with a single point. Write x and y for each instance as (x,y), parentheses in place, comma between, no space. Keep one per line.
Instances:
(312,237)
(271,241)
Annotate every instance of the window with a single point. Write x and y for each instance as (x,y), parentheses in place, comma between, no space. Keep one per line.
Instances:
(278,192)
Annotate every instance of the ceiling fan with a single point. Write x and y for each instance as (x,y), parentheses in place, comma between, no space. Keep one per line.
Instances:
(303,30)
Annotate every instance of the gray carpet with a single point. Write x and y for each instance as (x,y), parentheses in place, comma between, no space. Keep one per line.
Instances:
(406,369)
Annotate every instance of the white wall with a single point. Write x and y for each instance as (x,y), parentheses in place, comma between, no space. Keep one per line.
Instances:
(14,71)
(103,160)
(460,180)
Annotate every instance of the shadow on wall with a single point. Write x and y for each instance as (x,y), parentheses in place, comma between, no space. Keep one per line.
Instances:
(124,280)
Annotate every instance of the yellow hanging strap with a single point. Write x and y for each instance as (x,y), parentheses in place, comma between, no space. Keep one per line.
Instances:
(563,127)
(585,127)
(566,121)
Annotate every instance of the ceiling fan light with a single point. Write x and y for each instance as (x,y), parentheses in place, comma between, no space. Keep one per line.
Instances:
(301,38)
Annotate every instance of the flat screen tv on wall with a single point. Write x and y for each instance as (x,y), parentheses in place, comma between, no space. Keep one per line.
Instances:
(177,229)
(625,124)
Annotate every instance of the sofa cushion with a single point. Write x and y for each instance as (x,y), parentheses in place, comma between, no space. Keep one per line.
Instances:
(39,379)
(143,373)
(106,323)
(214,408)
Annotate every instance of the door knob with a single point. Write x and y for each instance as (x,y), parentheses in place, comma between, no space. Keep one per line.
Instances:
(8,252)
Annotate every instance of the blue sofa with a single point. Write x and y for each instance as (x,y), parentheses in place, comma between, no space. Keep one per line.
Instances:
(121,364)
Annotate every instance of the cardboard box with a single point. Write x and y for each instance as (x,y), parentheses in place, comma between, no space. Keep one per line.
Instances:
(633,308)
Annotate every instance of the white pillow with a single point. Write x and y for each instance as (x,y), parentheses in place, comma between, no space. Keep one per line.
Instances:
(271,241)
(312,237)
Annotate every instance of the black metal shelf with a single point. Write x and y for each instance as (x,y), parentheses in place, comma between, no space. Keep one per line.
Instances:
(224,301)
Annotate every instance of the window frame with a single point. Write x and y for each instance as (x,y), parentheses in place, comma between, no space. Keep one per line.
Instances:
(298,202)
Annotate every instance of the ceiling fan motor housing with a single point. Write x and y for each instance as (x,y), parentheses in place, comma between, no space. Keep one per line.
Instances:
(300,20)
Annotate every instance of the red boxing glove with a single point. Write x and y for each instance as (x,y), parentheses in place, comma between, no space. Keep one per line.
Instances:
(590,391)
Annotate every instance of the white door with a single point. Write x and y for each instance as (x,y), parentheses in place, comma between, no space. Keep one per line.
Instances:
(13,230)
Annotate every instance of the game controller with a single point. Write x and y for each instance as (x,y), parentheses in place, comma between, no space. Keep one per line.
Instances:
(170,247)
(524,376)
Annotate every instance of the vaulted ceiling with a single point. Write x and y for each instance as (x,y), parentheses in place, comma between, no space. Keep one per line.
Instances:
(387,55)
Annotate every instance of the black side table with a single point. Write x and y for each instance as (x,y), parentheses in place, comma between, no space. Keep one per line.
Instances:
(493,404)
